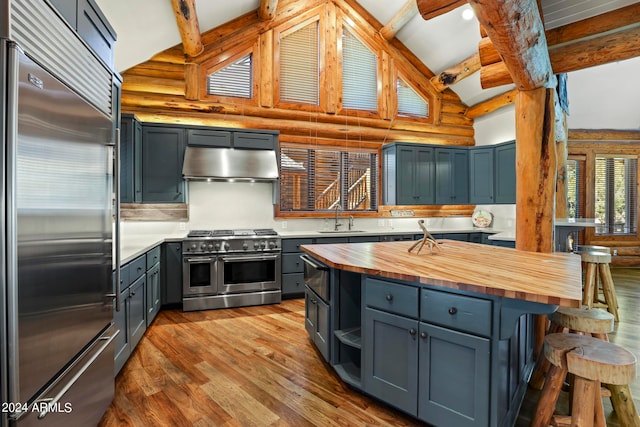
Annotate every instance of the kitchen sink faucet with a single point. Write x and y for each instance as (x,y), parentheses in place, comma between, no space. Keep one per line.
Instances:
(337,225)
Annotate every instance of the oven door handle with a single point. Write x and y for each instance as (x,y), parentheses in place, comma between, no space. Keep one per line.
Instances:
(315,266)
(198,260)
(250,258)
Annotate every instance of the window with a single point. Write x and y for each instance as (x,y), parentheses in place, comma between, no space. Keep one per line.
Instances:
(410,104)
(322,180)
(575,188)
(616,198)
(359,74)
(299,66)
(235,79)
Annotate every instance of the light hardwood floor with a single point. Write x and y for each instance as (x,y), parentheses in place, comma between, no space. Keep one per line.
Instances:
(255,366)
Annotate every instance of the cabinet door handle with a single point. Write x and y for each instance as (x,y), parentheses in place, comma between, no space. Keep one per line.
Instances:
(423,335)
(389,297)
(412,331)
(133,293)
(452,310)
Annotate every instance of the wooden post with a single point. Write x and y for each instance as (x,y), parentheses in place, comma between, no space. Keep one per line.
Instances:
(267,9)
(185,11)
(536,183)
(404,15)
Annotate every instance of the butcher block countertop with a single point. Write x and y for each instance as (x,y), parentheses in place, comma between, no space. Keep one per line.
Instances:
(547,278)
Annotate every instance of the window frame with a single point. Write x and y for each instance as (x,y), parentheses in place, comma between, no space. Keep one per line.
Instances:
(610,196)
(424,89)
(374,193)
(224,59)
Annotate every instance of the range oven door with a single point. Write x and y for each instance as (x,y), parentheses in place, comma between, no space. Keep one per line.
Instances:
(248,273)
(199,276)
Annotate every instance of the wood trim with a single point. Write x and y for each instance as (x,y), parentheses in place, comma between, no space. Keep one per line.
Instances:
(187,20)
(330,76)
(604,135)
(192,81)
(266,69)
(399,20)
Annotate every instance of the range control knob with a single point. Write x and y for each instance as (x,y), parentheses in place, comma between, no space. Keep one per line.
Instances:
(272,245)
(245,246)
(256,245)
(217,246)
(203,246)
(263,244)
(194,246)
(210,246)
(226,246)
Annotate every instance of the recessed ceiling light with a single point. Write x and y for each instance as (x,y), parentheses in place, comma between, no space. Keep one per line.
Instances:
(467,14)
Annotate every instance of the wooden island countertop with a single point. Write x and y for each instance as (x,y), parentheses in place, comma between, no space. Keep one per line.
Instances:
(547,278)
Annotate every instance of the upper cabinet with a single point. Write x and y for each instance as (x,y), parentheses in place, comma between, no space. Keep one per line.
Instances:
(409,174)
(481,176)
(162,158)
(130,159)
(419,174)
(505,172)
(452,176)
(92,26)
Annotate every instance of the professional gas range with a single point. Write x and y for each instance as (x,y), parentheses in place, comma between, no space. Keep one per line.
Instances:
(230,268)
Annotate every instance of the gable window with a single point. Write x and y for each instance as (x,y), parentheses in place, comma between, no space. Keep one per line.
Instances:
(235,79)
(359,74)
(322,180)
(410,104)
(616,195)
(299,66)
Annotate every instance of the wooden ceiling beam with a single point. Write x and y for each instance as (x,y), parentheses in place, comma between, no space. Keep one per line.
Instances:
(492,104)
(432,8)
(404,15)
(267,9)
(187,20)
(456,73)
(517,33)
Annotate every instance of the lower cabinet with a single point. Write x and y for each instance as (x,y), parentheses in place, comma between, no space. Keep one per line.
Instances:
(130,321)
(171,274)
(316,321)
(153,292)
(390,369)
(453,377)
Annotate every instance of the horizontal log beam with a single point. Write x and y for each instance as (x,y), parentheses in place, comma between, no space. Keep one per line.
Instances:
(488,53)
(604,135)
(495,75)
(458,72)
(492,104)
(404,15)
(517,32)
(432,8)
(267,9)
(187,19)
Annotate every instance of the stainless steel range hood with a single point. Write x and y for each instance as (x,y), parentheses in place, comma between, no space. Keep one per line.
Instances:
(229,164)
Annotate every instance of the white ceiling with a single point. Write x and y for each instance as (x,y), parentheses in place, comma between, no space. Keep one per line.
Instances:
(601,97)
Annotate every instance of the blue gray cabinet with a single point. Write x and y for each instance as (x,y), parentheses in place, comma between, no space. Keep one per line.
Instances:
(452,176)
(481,175)
(292,267)
(317,321)
(454,377)
(171,273)
(153,284)
(505,172)
(137,315)
(409,174)
(254,140)
(162,157)
(92,26)
(130,159)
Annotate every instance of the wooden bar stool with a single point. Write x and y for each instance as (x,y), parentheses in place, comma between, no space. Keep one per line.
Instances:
(599,261)
(591,361)
(595,322)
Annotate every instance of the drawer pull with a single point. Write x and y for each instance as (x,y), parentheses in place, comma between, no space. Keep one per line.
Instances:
(412,332)
(389,297)
(453,310)
(423,335)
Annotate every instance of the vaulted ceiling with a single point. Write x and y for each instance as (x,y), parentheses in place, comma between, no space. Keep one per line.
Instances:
(601,97)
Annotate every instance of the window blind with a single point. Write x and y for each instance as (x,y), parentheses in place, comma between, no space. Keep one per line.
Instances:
(299,66)
(235,79)
(575,188)
(410,104)
(359,74)
(616,194)
(321,180)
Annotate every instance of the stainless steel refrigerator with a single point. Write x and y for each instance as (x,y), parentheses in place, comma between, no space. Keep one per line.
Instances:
(56,286)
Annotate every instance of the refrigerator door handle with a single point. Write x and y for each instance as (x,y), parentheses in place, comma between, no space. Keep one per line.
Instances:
(116,179)
(51,402)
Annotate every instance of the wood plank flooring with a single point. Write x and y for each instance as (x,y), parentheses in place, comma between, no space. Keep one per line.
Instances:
(255,366)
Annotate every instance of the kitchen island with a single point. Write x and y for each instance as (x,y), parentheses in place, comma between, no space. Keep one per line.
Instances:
(445,337)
